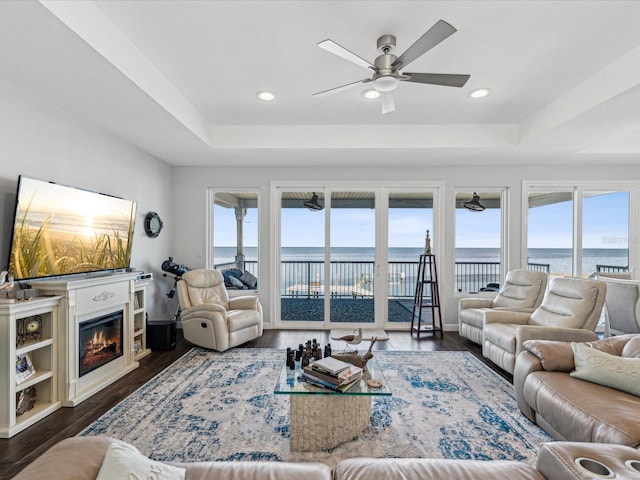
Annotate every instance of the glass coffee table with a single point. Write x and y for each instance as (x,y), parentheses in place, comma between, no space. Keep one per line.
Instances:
(321,418)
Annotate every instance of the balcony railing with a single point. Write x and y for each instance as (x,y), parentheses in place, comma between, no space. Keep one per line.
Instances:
(355,279)
(611,268)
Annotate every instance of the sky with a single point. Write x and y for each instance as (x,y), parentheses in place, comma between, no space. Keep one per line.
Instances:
(605,225)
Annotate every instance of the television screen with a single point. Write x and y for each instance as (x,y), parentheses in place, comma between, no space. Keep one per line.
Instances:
(61,230)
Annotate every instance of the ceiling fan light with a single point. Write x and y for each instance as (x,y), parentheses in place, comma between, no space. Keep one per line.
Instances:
(474,204)
(385,83)
(371,94)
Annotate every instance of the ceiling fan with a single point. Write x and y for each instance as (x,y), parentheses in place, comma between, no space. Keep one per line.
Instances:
(387,67)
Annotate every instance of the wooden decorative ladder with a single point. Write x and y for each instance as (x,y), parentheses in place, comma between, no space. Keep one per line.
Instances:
(427,299)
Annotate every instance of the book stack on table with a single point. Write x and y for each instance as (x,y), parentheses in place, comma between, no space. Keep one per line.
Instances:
(331,373)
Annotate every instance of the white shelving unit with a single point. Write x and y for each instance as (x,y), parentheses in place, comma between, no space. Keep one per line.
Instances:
(139,315)
(43,354)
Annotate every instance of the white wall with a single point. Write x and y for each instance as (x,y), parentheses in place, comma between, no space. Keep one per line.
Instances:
(43,141)
(191,185)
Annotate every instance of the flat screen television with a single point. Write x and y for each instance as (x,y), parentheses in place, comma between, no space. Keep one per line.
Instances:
(63,230)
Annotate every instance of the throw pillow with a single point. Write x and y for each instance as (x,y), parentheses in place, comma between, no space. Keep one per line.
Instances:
(249,279)
(235,283)
(604,369)
(121,462)
(632,348)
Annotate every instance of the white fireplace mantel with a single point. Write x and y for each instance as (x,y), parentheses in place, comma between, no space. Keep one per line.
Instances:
(83,299)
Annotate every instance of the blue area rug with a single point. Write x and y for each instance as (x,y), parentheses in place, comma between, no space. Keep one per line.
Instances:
(221,406)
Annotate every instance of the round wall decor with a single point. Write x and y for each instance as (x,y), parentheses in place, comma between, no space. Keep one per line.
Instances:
(152,224)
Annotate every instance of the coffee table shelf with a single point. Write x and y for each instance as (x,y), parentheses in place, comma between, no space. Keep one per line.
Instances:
(322,418)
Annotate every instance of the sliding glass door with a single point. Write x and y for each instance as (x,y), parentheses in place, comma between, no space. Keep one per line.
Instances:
(352,247)
(409,221)
(302,256)
(348,257)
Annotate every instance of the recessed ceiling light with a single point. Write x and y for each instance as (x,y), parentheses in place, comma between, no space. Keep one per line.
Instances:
(266,96)
(371,94)
(479,93)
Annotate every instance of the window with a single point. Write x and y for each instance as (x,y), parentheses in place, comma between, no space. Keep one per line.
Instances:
(235,237)
(478,247)
(577,230)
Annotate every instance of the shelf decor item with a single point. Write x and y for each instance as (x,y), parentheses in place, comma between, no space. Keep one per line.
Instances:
(427,244)
(29,328)
(24,368)
(25,400)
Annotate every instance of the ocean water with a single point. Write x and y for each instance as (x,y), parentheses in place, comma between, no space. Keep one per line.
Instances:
(558,259)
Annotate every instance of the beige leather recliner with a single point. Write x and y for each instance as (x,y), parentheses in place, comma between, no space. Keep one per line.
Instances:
(522,290)
(210,319)
(570,311)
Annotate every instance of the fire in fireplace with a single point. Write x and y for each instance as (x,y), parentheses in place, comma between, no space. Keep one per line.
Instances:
(100,341)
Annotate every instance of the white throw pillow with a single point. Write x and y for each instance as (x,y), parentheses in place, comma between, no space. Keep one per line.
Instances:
(621,373)
(122,462)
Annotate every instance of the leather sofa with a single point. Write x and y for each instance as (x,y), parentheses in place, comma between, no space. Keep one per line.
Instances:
(80,458)
(522,291)
(570,408)
(570,311)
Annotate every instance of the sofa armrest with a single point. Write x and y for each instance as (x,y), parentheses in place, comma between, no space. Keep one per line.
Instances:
(561,461)
(465,303)
(554,356)
(537,332)
(506,316)
(74,458)
(244,302)
(361,468)
(526,363)
(203,309)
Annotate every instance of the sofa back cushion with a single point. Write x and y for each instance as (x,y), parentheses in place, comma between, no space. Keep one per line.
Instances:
(571,303)
(522,289)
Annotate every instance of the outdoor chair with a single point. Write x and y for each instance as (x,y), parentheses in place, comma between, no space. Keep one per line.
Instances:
(569,312)
(523,290)
(622,306)
(211,319)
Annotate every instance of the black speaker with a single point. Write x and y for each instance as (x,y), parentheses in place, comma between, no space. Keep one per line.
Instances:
(161,334)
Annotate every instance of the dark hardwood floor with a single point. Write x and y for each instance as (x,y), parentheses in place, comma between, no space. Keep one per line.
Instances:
(23,448)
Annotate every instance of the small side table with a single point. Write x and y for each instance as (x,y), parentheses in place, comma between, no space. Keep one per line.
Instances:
(161,334)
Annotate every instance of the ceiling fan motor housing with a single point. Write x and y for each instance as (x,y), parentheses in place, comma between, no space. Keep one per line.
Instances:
(386,78)
(386,44)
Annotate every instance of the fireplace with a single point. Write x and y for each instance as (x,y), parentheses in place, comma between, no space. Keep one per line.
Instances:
(100,341)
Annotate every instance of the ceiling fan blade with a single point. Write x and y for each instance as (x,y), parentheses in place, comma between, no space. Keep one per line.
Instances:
(341,88)
(445,79)
(436,34)
(332,47)
(388,103)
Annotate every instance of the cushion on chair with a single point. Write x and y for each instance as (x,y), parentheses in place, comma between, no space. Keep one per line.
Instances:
(522,288)
(206,286)
(570,303)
